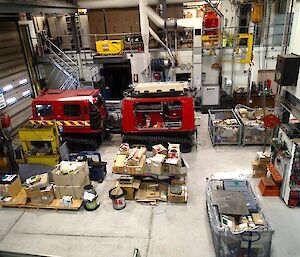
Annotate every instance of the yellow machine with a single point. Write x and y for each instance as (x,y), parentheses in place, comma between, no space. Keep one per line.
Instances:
(40,144)
(110,47)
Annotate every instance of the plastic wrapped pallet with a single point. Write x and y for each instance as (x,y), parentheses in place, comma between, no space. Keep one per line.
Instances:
(230,240)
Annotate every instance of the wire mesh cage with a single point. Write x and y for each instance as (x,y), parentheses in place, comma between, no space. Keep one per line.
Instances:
(237,239)
(254,131)
(224,127)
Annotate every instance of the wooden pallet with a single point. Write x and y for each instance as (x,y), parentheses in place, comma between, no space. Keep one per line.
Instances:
(20,201)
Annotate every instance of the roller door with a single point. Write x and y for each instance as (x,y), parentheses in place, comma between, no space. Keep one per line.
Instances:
(15,84)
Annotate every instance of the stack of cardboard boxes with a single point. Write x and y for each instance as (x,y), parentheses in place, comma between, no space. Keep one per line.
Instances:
(165,162)
(10,187)
(259,165)
(38,190)
(133,161)
(70,178)
(130,160)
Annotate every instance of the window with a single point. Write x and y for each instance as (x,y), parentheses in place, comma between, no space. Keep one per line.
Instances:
(43,110)
(244,18)
(8,87)
(11,100)
(72,110)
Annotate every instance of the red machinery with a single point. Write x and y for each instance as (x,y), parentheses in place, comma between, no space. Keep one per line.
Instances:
(159,113)
(79,115)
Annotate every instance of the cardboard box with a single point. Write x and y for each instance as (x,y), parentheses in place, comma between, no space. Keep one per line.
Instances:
(44,196)
(66,201)
(75,191)
(135,158)
(263,157)
(141,168)
(70,173)
(130,188)
(151,192)
(173,165)
(124,149)
(228,221)
(178,181)
(159,149)
(11,188)
(258,170)
(175,198)
(258,219)
(184,167)
(119,164)
(41,181)
(174,151)
(157,164)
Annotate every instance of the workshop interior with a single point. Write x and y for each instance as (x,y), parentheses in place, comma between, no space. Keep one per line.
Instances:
(144,128)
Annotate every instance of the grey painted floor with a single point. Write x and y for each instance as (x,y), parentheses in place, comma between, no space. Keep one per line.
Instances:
(168,230)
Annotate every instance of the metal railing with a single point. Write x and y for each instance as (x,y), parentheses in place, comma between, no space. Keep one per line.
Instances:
(64,63)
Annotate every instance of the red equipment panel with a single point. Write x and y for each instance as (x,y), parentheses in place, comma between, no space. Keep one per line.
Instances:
(158,115)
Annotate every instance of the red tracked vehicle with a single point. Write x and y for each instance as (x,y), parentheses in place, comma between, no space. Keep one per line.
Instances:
(159,113)
(79,115)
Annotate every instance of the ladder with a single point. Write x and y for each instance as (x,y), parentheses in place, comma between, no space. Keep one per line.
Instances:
(65,64)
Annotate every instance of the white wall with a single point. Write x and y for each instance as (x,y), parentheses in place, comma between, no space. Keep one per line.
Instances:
(295,45)
(240,78)
(211,76)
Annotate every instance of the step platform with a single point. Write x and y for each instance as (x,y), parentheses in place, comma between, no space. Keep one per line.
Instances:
(268,187)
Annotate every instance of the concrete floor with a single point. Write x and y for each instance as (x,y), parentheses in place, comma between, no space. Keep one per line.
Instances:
(168,230)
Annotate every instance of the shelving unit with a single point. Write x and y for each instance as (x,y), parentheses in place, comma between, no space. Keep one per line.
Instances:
(288,166)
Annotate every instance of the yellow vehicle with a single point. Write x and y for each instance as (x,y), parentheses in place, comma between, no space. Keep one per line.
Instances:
(110,47)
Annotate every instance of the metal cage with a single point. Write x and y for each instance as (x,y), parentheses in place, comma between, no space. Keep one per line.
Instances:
(255,242)
(222,133)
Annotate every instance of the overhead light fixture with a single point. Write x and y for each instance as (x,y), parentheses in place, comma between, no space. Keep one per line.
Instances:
(23,81)
(26,93)
(11,100)
(8,87)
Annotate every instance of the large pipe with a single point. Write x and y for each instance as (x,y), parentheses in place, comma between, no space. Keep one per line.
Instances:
(159,21)
(144,23)
(99,4)
(156,37)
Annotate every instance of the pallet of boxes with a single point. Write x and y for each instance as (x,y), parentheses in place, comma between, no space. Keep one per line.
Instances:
(135,166)
(65,192)
(69,179)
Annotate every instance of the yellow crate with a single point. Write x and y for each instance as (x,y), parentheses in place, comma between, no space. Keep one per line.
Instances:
(110,47)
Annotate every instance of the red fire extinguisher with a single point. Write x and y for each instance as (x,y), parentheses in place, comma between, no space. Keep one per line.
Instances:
(5,121)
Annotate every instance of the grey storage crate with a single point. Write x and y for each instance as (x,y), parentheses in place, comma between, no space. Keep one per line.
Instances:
(253,133)
(229,243)
(221,133)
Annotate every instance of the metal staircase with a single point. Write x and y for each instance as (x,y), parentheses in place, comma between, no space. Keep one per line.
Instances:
(65,64)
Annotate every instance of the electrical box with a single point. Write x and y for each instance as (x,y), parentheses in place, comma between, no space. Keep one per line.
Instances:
(210,94)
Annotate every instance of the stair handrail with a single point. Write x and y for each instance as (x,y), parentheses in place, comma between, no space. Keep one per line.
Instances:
(57,63)
(59,50)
